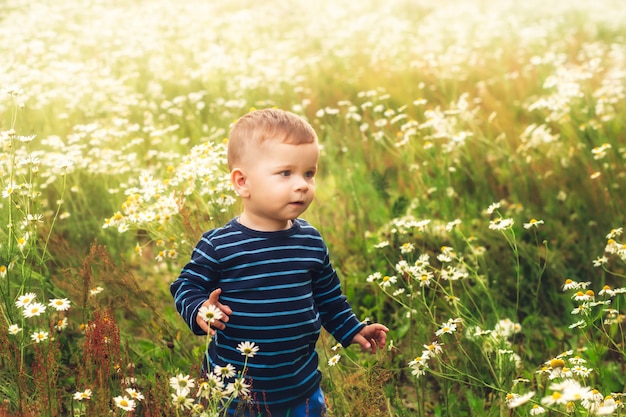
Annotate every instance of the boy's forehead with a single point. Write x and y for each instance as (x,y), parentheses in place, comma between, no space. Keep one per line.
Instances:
(278,149)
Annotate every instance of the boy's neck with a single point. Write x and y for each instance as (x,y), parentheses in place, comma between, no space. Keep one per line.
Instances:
(266,225)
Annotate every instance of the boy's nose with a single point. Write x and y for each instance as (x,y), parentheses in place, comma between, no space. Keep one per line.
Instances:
(302,184)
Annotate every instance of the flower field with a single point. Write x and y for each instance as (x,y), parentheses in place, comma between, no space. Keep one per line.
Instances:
(471,191)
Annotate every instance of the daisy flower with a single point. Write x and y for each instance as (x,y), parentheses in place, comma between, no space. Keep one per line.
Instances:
(581,371)
(515,400)
(493,207)
(239,388)
(608,406)
(532,223)
(449,327)
(607,291)
(571,390)
(14,329)
(33,310)
(213,383)
(334,360)
(59,304)
(388,281)
(22,241)
(555,398)
(584,308)
(419,366)
(82,395)
(248,349)
(382,244)
(615,233)
(537,410)
(61,324)
(24,300)
(134,394)
(570,284)
(225,372)
(425,279)
(182,383)
(578,325)
(434,347)
(96,291)
(181,401)
(210,314)
(423,261)
(376,276)
(407,247)
(204,388)
(402,267)
(8,190)
(583,296)
(501,224)
(446,254)
(420,225)
(600,260)
(451,225)
(39,336)
(401,291)
(124,403)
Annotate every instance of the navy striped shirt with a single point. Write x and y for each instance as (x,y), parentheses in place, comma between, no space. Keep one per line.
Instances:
(282,289)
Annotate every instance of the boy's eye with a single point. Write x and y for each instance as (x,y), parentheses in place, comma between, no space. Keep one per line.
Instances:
(285,173)
(310,174)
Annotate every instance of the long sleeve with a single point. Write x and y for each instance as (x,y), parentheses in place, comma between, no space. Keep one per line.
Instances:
(335,311)
(195,283)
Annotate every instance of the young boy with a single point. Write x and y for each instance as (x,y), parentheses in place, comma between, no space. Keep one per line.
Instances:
(269,272)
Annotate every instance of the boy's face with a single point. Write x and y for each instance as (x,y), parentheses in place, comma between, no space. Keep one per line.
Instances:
(279,183)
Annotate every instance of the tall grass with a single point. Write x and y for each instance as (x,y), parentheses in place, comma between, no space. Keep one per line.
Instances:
(471,192)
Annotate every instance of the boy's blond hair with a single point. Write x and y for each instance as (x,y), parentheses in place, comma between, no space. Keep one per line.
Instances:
(259,126)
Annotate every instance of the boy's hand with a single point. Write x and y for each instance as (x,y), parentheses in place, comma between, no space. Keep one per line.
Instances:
(371,337)
(216,324)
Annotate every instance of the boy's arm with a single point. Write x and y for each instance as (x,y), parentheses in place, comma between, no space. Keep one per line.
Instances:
(335,311)
(194,284)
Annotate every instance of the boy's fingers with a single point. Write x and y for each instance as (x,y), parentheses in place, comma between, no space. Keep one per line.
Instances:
(215,296)
(363,342)
(382,337)
(203,325)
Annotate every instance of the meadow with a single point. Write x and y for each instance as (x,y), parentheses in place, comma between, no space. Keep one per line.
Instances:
(471,192)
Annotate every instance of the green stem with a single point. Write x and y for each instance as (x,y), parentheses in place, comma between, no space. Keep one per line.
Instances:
(54,219)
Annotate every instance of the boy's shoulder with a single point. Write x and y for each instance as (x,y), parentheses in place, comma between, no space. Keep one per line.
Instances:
(304,227)
(221,230)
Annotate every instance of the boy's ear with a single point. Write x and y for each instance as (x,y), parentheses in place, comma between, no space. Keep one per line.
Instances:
(238,178)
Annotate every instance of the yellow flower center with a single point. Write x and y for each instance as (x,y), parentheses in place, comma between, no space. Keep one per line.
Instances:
(557,363)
